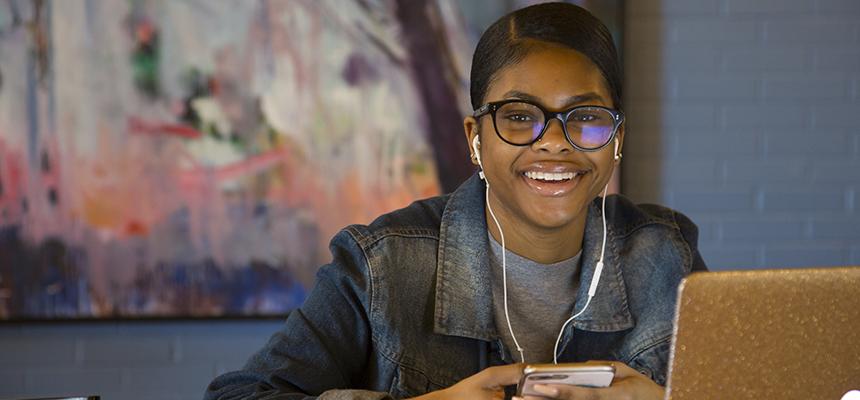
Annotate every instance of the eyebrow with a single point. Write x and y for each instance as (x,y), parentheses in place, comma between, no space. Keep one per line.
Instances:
(576,99)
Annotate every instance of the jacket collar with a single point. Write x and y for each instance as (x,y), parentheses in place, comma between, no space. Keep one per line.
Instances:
(464,301)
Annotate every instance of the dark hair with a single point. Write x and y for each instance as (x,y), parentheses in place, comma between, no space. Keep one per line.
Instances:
(510,39)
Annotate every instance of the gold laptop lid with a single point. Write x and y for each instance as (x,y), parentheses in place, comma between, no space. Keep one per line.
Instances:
(767,334)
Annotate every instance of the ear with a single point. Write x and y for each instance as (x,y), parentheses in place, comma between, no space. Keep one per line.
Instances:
(470,128)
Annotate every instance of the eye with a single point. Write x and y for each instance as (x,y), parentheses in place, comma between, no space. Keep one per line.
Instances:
(585,117)
(519,117)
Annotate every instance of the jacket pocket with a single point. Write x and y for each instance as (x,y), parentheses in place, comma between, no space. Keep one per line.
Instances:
(411,383)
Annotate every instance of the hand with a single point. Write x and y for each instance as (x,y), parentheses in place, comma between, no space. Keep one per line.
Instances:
(485,385)
(628,384)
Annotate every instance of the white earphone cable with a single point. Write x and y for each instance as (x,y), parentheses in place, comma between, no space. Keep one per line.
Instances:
(504,274)
(593,288)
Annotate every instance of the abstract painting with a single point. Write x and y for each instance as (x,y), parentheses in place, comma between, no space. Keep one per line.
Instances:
(192,158)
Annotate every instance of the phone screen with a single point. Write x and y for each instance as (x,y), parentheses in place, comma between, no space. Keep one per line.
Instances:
(565,374)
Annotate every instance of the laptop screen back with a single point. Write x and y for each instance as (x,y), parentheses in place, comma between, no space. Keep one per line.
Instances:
(767,334)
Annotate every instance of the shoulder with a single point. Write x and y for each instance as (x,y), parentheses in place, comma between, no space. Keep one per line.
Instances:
(632,222)
(422,218)
(628,217)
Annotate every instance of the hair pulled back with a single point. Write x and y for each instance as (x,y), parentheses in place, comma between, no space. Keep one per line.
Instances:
(510,39)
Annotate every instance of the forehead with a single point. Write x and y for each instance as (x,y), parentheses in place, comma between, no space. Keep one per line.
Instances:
(554,74)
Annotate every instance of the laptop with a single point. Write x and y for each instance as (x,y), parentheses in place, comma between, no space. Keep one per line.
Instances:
(767,334)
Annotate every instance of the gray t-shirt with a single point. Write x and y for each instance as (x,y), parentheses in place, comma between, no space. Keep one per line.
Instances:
(540,298)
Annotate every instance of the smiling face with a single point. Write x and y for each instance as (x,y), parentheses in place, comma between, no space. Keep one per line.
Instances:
(545,187)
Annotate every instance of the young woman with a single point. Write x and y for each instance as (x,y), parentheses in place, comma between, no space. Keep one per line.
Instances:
(524,263)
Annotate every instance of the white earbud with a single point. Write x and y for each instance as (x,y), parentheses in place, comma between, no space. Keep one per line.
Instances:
(476,142)
(617,154)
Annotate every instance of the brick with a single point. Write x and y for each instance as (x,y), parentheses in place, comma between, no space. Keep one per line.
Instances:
(767,58)
(702,87)
(164,331)
(799,255)
(857,145)
(704,30)
(769,7)
(855,255)
(12,383)
(761,230)
(793,142)
(261,329)
(232,342)
(804,199)
(707,226)
(37,350)
(673,7)
(10,331)
(214,349)
(120,351)
(675,170)
(847,229)
(714,200)
(855,90)
(837,58)
(837,115)
(810,30)
(805,88)
(746,170)
(719,257)
(70,330)
(836,170)
(50,381)
(765,115)
(668,59)
(838,7)
(681,58)
(186,381)
(712,143)
(689,170)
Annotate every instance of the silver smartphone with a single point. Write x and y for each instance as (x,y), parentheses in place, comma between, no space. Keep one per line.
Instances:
(590,374)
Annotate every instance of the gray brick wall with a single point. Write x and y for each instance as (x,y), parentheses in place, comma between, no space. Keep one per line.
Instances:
(721,95)
(745,116)
(124,360)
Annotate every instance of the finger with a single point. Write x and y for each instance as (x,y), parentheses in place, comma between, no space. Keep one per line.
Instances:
(503,375)
(574,392)
(623,370)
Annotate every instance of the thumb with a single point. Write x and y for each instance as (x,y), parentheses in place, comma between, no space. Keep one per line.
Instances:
(503,375)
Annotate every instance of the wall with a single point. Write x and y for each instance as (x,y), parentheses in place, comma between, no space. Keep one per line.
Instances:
(124,360)
(745,116)
(723,98)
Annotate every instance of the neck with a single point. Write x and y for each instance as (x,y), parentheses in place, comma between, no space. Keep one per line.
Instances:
(537,243)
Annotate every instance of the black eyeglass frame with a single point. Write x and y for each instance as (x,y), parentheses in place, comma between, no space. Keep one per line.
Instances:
(562,116)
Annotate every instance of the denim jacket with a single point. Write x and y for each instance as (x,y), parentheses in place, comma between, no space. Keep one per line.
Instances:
(405,307)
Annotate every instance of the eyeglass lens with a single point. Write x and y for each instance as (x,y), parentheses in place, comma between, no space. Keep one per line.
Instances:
(521,123)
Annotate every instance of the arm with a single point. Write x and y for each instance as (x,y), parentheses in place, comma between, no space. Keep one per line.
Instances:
(323,345)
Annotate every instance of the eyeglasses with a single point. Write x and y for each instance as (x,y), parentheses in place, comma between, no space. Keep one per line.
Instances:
(521,123)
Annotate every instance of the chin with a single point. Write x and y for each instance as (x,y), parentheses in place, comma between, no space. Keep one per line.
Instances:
(553,220)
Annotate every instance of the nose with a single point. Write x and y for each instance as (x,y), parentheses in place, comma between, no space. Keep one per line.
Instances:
(553,140)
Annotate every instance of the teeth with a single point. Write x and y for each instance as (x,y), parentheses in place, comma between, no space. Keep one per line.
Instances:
(550,176)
